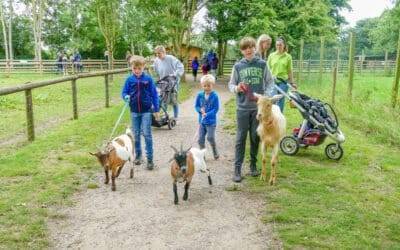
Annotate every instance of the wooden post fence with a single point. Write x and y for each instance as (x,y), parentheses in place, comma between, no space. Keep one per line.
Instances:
(321,59)
(395,88)
(107,96)
(351,64)
(300,69)
(335,73)
(74,99)
(29,115)
(27,88)
(386,71)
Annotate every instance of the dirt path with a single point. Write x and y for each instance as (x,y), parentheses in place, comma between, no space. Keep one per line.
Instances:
(141,213)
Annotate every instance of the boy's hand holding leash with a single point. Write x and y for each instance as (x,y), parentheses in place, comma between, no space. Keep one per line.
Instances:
(127,98)
(203,112)
(157,115)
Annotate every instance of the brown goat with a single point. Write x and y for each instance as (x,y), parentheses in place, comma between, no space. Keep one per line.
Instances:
(117,153)
(182,170)
(271,129)
(183,166)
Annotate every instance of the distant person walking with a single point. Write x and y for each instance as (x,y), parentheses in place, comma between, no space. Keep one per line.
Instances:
(195,67)
(205,67)
(214,65)
(77,61)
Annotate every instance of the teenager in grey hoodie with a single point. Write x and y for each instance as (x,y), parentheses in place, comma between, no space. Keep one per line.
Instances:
(249,75)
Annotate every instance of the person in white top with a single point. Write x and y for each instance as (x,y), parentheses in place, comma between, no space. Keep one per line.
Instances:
(167,65)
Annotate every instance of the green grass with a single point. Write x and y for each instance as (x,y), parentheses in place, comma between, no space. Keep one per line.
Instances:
(46,172)
(350,204)
(52,103)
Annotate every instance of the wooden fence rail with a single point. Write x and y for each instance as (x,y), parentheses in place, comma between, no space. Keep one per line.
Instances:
(51,66)
(313,66)
(27,88)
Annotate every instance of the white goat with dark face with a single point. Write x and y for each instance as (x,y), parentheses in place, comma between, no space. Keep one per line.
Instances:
(271,129)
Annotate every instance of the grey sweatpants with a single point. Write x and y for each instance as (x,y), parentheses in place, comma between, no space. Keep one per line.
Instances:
(246,123)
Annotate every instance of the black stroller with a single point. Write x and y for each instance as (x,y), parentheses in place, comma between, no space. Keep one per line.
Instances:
(320,121)
(168,95)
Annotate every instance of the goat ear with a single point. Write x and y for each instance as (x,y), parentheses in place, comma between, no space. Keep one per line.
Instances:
(176,150)
(276,98)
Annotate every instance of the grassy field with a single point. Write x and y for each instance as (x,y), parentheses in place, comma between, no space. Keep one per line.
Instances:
(350,204)
(52,103)
(46,172)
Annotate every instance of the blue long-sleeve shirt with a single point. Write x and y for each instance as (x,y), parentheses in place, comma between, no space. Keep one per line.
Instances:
(210,105)
(143,94)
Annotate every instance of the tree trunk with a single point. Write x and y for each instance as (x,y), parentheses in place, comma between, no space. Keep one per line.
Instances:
(3,24)
(220,52)
(395,88)
(351,65)
(10,47)
(224,55)
(37,16)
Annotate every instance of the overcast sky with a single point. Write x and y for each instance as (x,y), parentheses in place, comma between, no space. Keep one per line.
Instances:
(364,9)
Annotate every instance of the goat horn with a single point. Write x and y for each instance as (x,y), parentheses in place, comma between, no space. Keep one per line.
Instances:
(176,150)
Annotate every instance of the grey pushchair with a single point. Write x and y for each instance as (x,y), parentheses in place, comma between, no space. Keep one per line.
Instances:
(168,95)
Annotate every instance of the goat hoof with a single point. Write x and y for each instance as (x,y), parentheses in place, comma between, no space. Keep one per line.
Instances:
(271,182)
(209,180)
(176,202)
(185,197)
(131,175)
(113,188)
(263,178)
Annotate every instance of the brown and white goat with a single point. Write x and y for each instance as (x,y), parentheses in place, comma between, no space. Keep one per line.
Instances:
(116,154)
(183,166)
(271,129)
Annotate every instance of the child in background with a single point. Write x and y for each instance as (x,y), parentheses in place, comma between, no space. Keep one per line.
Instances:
(207,105)
(141,94)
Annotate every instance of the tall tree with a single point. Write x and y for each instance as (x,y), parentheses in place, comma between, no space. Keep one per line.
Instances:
(133,26)
(383,34)
(36,8)
(10,18)
(4,28)
(109,24)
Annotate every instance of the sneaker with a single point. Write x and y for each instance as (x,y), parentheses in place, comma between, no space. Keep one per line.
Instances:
(254,173)
(237,178)
(138,161)
(150,165)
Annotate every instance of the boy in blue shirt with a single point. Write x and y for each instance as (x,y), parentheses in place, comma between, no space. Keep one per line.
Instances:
(141,94)
(207,105)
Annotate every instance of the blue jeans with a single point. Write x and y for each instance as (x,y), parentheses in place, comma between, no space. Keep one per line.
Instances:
(141,124)
(283,86)
(208,130)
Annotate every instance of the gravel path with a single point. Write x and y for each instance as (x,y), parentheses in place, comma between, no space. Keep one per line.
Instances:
(141,213)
